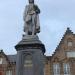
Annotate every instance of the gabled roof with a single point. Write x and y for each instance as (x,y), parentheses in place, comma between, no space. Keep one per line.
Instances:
(2,53)
(9,58)
(68,32)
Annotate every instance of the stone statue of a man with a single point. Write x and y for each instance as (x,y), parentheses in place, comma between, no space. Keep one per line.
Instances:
(31,19)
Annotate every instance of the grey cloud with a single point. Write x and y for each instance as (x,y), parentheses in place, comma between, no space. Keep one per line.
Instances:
(55,17)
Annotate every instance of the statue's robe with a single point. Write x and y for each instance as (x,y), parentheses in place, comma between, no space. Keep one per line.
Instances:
(32,23)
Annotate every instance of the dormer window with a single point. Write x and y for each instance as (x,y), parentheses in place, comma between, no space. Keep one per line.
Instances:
(69,43)
(1,60)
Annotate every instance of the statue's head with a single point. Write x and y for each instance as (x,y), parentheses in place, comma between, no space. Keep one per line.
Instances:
(31,1)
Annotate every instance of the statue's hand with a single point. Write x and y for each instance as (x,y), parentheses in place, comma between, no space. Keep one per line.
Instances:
(32,12)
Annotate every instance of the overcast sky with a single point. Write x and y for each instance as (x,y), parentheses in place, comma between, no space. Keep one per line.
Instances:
(55,17)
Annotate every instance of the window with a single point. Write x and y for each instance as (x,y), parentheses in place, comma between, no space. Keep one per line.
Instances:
(1,60)
(56,69)
(9,72)
(66,68)
(69,43)
(71,54)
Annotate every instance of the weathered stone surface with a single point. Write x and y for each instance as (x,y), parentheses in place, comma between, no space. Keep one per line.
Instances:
(29,41)
(30,45)
(31,19)
(30,50)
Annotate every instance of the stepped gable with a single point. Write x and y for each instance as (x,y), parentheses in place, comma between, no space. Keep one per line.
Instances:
(68,32)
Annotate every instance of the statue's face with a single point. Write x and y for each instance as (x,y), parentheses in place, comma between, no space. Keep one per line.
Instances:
(31,1)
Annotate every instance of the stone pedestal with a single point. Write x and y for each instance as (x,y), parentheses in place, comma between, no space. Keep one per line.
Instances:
(30,56)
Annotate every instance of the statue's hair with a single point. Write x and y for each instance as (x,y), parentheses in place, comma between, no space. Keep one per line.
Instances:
(31,1)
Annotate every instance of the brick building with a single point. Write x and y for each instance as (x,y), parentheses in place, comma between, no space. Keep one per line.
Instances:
(62,62)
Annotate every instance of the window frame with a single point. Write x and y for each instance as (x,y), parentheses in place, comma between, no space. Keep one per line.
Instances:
(56,69)
(66,68)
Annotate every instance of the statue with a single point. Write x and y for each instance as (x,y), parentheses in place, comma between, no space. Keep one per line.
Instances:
(31,19)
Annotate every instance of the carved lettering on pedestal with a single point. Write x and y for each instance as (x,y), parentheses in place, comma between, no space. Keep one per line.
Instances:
(28,63)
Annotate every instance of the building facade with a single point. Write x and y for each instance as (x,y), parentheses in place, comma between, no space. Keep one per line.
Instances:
(62,62)
(7,64)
